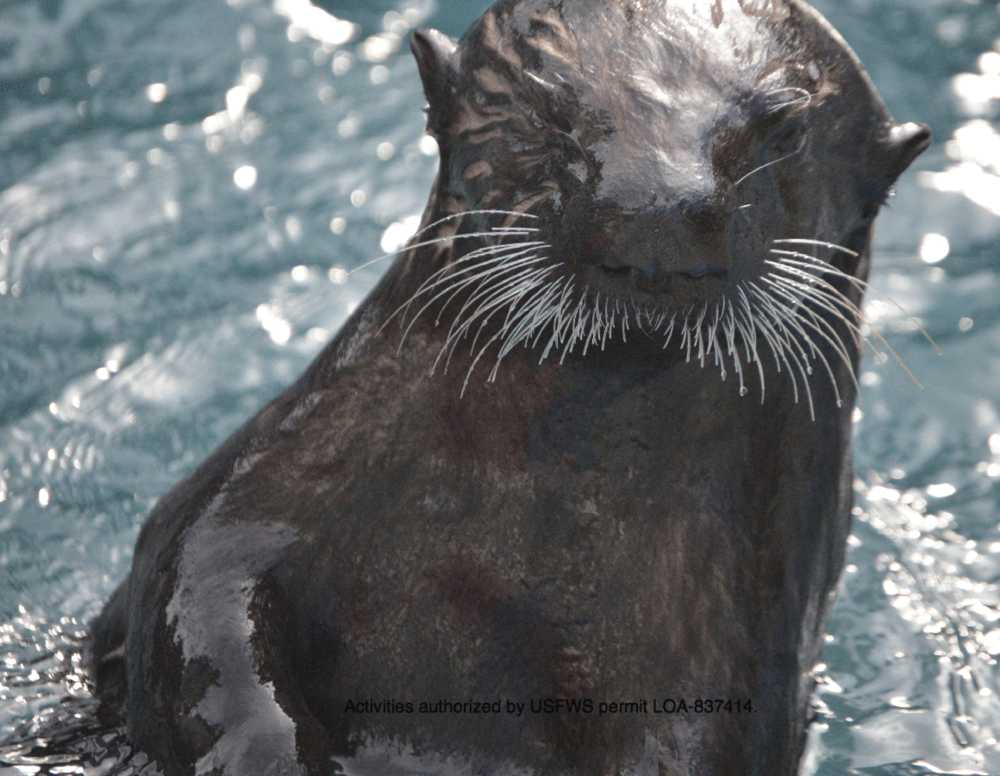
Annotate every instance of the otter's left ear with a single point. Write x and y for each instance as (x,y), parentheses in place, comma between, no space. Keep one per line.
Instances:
(437,60)
(906,142)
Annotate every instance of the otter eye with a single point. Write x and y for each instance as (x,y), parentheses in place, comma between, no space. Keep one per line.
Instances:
(536,120)
(560,123)
(548,121)
(781,120)
(570,145)
(777,112)
(786,138)
(779,104)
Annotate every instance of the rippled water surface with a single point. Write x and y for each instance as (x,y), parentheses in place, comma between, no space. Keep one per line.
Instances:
(184,185)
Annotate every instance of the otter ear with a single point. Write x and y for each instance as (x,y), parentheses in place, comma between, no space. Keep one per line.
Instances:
(437,60)
(906,142)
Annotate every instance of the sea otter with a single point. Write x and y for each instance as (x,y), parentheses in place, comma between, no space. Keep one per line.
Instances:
(587,443)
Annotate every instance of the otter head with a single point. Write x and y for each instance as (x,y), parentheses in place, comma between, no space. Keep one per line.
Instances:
(688,161)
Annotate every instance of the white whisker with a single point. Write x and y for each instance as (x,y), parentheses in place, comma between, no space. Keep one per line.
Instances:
(748,327)
(457,284)
(515,250)
(790,345)
(830,245)
(789,306)
(818,324)
(424,244)
(858,284)
(763,167)
(492,299)
(825,291)
(464,213)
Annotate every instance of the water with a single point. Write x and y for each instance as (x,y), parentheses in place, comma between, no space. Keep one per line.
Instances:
(183,186)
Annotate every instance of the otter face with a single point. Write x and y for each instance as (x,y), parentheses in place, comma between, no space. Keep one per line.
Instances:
(696,166)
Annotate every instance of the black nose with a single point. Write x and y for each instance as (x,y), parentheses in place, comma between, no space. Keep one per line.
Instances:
(699,215)
(685,240)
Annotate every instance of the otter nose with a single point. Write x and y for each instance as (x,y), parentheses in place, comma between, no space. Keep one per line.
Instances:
(702,242)
(702,214)
(685,235)
(687,238)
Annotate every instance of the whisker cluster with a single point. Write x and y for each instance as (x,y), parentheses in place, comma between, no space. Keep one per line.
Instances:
(510,294)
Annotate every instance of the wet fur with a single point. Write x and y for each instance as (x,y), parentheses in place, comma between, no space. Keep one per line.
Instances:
(616,524)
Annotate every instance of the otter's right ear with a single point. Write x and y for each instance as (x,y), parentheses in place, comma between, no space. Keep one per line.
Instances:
(905,143)
(437,60)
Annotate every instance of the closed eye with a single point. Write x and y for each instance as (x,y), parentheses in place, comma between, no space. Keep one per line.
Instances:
(788,99)
(787,138)
(783,143)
